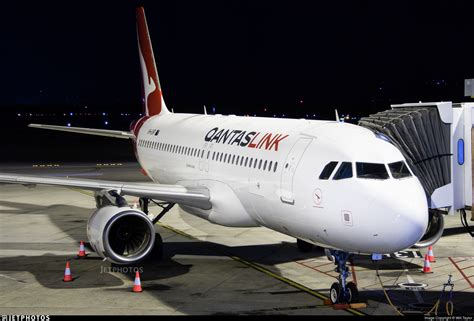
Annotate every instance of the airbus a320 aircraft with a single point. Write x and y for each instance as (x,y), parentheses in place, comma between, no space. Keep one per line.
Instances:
(331,184)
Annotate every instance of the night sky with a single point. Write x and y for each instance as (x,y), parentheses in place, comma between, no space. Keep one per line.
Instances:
(239,56)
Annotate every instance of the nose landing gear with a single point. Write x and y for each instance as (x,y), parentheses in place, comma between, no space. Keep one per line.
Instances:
(342,292)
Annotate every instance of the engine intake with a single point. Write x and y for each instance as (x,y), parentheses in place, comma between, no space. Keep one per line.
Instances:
(121,234)
(434,231)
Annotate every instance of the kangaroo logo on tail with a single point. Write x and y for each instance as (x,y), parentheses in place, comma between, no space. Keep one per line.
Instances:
(154,103)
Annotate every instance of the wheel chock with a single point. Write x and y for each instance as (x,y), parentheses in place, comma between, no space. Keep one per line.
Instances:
(360,305)
(343,306)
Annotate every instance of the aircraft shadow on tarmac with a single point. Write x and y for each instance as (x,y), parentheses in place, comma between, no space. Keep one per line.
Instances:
(48,269)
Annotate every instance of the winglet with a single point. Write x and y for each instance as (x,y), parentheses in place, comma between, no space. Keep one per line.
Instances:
(153,101)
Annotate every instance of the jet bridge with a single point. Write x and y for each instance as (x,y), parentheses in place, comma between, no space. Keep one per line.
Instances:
(435,139)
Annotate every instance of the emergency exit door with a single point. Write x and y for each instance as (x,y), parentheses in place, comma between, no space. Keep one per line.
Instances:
(289,169)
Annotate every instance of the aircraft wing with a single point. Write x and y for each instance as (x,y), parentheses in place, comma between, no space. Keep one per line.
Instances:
(89,131)
(191,196)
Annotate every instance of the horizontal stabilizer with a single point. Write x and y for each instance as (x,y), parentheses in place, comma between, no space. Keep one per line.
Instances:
(89,131)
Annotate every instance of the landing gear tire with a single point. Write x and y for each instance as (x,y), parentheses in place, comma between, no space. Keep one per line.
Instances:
(352,292)
(335,292)
(303,246)
(156,253)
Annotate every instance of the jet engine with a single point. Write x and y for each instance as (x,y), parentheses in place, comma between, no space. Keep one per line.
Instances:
(121,234)
(434,231)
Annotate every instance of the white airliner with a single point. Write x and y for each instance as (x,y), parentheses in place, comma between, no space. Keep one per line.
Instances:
(332,184)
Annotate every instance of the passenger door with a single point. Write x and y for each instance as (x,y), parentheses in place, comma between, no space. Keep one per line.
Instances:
(289,169)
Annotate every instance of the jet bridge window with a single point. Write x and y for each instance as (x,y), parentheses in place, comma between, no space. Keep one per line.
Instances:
(371,170)
(327,170)
(399,169)
(344,171)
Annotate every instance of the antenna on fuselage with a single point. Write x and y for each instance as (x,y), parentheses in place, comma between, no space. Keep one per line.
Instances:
(337,116)
(205,110)
(172,110)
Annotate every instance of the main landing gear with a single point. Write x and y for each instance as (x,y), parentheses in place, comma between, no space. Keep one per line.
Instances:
(342,292)
(165,207)
(157,251)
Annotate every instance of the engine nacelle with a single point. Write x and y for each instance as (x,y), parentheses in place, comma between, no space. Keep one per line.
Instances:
(434,231)
(121,234)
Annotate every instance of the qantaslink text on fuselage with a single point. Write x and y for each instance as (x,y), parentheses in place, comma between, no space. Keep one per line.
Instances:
(253,139)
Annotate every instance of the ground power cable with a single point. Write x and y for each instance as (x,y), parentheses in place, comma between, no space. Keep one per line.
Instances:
(384,291)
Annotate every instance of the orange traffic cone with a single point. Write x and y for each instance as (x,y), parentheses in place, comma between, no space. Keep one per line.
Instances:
(67,273)
(427,266)
(137,285)
(431,255)
(82,251)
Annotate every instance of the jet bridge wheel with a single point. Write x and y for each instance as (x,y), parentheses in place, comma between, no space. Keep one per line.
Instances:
(303,246)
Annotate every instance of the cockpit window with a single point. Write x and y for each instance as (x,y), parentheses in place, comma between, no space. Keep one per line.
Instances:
(371,170)
(399,169)
(344,171)
(327,170)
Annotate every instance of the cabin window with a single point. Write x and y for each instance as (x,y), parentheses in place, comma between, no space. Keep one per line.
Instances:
(344,171)
(241,160)
(265,165)
(399,170)
(246,161)
(275,167)
(270,166)
(260,164)
(327,170)
(371,171)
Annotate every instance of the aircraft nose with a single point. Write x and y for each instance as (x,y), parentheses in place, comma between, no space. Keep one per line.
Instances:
(412,217)
(405,217)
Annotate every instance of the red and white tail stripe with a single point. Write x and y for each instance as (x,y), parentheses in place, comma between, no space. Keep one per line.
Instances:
(151,89)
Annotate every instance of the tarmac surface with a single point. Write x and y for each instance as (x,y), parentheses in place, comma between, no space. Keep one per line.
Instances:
(206,268)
